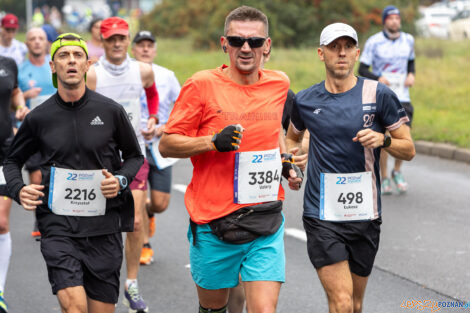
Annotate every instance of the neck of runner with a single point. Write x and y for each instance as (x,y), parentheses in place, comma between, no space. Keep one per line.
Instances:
(37,60)
(240,78)
(114,68)
(5,42)
(71,96)
(335,85)
(390,35)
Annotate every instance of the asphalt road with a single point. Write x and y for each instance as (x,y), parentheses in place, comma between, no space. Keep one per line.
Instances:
(424,251)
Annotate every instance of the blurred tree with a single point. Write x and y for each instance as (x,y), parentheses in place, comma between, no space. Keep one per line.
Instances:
(292,22)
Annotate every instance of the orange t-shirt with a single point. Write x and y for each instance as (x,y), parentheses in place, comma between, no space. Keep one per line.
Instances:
(207,103)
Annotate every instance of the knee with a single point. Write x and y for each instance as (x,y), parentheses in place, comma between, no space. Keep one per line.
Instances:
(4,225)
(261,308)
(75,308)
(158,206)
(357,306)
(343,302)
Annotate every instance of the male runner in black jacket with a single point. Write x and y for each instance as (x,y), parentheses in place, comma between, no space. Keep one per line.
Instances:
(82,205)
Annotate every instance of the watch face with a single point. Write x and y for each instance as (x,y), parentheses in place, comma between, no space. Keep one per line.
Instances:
(387,141)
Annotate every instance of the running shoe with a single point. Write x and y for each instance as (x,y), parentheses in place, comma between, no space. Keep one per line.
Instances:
(146,256)
(152,225)
(386,188)
(3,304)
(400,183)
(36,234)
(133,300)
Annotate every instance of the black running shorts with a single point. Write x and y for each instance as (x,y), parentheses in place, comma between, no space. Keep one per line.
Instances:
(160,180)
(91,262)
(332,242)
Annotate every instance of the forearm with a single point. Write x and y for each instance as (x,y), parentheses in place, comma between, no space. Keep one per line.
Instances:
(17,99)
(365,72)
(180,146)
(12,172)
(402,149)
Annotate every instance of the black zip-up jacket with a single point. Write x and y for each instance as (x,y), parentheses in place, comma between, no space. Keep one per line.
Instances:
(84,135)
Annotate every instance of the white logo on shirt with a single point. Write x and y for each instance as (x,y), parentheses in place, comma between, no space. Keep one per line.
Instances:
(317,111)
(97,121)
(3,73)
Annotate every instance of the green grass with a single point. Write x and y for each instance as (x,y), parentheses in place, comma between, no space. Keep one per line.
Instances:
(440,96)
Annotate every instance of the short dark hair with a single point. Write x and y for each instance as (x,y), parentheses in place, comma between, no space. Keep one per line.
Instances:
(93,22)
(246,13)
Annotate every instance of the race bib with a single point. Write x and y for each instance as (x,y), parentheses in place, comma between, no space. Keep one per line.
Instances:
(397,83)
(2,177)
(34,102)
(76,192)
(133,110)
(346,197)
(160,161)
(257,176)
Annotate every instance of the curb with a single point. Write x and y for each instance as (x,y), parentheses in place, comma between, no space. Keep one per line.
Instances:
(443,150)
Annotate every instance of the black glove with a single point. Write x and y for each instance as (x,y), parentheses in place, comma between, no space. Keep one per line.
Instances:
(228,139)
(288,164)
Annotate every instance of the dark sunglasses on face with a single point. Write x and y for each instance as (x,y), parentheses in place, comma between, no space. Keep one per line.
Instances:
(253,42)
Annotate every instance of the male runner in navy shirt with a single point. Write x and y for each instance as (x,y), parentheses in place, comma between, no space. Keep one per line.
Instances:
(347,117)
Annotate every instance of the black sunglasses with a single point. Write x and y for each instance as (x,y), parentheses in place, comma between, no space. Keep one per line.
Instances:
(253,42)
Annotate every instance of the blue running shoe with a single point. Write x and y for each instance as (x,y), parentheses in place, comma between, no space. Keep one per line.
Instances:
(386,188)
(3,304)
(402,185)
(133,300)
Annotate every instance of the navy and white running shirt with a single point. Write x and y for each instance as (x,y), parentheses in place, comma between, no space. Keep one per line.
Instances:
(333,120)
(386,55)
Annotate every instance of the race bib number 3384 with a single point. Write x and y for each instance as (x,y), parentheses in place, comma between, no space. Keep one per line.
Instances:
(257,176)
(76,192)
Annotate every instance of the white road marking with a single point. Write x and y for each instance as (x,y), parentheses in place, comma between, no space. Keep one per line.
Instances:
(296,233)
(180,187)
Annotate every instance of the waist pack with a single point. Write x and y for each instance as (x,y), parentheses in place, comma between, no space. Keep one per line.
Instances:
(247,223)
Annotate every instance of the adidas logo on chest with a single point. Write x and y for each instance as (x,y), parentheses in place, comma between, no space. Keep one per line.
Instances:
(96,121)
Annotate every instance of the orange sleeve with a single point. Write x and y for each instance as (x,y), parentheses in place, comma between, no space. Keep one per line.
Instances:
(187,112)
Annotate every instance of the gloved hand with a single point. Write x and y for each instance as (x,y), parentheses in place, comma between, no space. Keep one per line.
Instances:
(228,139)
(288,165)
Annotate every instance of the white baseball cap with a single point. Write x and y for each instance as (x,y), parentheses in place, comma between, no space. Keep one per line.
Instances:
(336,30)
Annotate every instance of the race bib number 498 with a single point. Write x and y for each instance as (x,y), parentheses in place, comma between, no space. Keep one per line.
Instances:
(257,176)
(76,192)
(346,197)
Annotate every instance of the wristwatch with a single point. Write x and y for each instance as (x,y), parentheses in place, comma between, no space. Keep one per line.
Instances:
(387,141)
(122,181)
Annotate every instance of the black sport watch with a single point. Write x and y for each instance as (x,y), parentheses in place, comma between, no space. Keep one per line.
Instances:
(387,141)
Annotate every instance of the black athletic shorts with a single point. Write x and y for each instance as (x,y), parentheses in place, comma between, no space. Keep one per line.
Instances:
(159,180)
(91,262)
(332,242)
(409,111)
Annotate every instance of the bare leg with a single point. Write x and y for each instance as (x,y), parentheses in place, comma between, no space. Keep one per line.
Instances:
(337,282)
(359,289)
(236,299)
(100,307)
(261,296)
(212,299)
(134,240)
(72,300)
